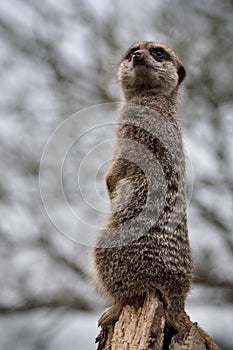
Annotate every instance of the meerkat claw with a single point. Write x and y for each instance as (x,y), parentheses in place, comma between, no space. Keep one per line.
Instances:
(110,315)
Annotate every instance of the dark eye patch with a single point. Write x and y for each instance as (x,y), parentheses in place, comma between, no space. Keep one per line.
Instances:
(134,49)
(159,53)
(130,52)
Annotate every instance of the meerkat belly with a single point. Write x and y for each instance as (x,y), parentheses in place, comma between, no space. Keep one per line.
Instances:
(140,267)
(140,247)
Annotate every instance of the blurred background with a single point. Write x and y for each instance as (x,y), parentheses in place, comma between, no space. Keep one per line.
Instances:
(57,58)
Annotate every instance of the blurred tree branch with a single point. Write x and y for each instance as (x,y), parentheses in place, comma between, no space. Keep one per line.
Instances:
(54,254)
(72,303)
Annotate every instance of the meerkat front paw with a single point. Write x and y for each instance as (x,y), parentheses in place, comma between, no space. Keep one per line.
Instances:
(110,315)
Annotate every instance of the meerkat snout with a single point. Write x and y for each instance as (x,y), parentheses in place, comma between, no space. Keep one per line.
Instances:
(137,55)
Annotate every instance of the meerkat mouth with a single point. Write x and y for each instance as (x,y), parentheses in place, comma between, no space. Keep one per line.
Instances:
(142,65)
(138,63)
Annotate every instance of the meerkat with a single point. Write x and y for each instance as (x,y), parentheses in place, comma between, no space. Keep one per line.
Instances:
(144,245)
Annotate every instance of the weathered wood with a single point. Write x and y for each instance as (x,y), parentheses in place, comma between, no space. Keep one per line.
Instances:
(137,329)
(191,341)
(144,329)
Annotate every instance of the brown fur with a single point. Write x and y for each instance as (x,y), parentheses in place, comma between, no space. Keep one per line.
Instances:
(144,246)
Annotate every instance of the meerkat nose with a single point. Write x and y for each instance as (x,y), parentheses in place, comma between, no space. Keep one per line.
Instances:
(138,55)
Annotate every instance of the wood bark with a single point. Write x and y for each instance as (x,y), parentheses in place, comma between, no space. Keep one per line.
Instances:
(144,328)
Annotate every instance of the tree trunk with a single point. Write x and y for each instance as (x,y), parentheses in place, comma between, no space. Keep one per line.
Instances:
(144,328)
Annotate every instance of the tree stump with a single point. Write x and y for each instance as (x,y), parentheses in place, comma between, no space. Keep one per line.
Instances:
(144,328)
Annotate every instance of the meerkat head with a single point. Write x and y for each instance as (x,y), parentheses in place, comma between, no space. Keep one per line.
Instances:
(150,66)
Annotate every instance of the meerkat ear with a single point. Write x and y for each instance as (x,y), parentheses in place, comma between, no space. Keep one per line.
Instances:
(181,73)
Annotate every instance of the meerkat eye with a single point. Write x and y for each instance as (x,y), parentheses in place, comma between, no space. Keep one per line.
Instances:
(158,53)
(130,52)
(134,49)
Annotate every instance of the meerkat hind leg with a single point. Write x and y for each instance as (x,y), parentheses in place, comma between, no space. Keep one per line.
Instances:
(110,315)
